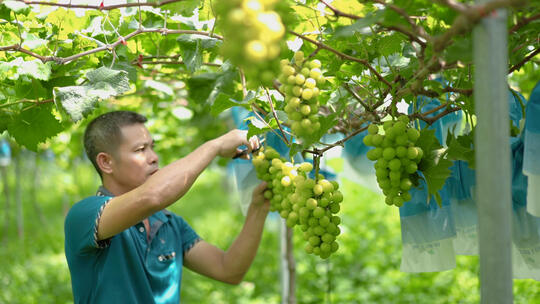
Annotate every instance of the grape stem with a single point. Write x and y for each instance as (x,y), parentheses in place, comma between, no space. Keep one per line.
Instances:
(316,164)
(355,95)
(319,152)
(254,109)
(275,116)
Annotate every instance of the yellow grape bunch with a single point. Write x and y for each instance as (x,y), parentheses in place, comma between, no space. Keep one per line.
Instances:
(396,158)
(301,200)
(299,80)
(253,33)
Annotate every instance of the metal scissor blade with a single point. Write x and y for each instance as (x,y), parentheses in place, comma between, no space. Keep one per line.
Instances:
(245,151)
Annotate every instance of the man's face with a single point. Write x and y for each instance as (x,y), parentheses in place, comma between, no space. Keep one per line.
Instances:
(135,159)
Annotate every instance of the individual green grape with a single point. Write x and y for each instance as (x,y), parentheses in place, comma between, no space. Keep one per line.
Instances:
(388,153)
(373,129)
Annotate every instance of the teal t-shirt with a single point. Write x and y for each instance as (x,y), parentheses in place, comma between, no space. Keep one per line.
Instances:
(129,267)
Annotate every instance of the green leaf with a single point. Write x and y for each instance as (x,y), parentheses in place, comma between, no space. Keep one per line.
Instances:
(79,101)
(5,119)
(460,50)
(436,176)
(360,26)
(257,126)
(433,166)
(31,90)
(191,49)
(33,68)
(224,102)
(461,148)
(184,8)
(389,45)
(206,87)
(5,13)
(33,126)
(295,148)
(17,6)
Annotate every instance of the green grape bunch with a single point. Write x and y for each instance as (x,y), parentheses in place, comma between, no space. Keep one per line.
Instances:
(299,80)
(268,166)
(302,201)
(253,35)
(396,158)
(315,204)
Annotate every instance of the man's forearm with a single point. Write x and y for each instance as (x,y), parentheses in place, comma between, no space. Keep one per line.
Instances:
(173,181)
(240,255)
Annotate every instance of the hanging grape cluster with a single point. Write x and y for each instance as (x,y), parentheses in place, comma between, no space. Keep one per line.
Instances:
(253,33)
(396,158)
(299,80)
(301,200)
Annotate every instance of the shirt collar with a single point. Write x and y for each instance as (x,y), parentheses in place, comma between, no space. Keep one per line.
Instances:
(102,191)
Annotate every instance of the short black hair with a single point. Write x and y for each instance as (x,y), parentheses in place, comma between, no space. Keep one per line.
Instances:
(104,134)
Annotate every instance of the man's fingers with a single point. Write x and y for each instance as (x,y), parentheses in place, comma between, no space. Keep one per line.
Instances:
(253,143)
(261,187)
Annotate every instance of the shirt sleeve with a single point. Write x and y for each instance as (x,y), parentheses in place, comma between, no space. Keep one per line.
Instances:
(189,236)
(81,225)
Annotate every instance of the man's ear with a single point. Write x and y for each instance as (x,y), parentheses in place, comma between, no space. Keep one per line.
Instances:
(104,162)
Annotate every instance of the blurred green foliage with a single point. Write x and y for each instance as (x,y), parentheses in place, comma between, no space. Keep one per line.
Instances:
(364,270)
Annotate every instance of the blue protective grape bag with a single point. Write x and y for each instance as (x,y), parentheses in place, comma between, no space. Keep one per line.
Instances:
(531,153)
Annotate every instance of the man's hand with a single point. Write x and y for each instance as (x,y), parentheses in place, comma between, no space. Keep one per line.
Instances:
(228,143)
(257,198)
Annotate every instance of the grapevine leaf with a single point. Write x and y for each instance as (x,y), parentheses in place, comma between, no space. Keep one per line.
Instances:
(35,69)
(295,148)
(460,148)
(327,122)
(17,6)
(436,176)
(428,142)
(5,119)
(360,26)
(33,126)
(206,87)
(224,102)
(434,167)
(389,45)
(4,13)
(31,90)
(460,50)
(191,49)
(256,126)
(79,101)
(184,8)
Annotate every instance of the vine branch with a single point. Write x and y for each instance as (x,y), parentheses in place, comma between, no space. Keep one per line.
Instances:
(343,56)
(107,47)
(99,7)
(518,65)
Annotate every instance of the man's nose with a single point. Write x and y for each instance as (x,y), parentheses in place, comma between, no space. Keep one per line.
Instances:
(153,157)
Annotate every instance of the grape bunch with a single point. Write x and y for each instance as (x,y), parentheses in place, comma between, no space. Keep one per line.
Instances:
(315,204)
(396,158)
(299,80)
(301,200)
(253,33)
(268,166)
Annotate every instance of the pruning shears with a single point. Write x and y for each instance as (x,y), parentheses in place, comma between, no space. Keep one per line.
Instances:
(245,151)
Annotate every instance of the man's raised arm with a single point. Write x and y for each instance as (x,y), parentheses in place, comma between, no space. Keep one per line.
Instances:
(166,185)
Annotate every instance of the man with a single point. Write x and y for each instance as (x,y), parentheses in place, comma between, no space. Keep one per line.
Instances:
(121,245)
